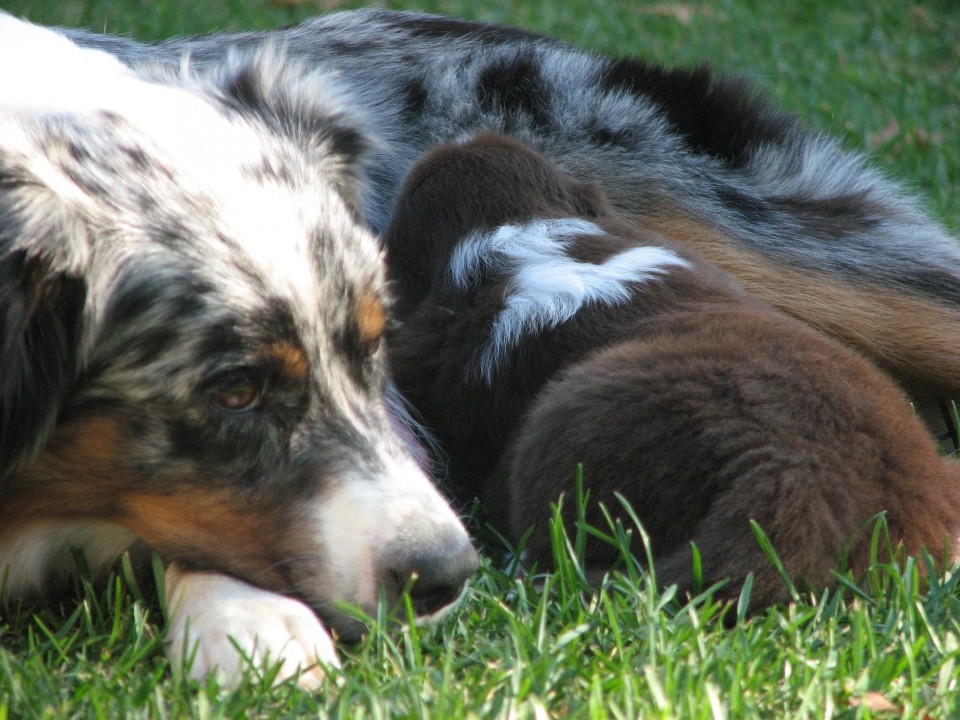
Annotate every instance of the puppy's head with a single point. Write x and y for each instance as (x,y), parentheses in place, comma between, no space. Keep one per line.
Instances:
(475,186)
(191,316)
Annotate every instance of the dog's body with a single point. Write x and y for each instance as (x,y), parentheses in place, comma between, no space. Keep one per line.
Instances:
(798,220)
(144,317)
(538,331)
(190,316)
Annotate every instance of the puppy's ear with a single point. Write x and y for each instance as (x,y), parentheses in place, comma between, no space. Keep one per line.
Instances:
(43,253)
(591,202)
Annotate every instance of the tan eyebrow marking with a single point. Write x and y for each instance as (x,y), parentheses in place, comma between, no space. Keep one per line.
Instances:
(371,317)
(292,359)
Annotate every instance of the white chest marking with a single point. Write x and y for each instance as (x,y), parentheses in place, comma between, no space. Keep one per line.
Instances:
(43,552)
(547,286)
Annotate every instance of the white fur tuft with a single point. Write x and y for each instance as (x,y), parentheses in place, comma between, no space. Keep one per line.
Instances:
(549,287)
(44,552)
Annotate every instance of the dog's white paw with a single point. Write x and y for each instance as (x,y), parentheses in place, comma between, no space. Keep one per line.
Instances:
(220,623)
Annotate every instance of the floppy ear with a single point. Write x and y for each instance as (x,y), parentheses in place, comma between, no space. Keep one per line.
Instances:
(42,292)
(307,106)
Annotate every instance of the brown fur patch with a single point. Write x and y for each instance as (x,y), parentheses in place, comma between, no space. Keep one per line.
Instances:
(77,475)
(371,318)
(85,473)
(912,338)
(209,526)
(93,443)
(292,359)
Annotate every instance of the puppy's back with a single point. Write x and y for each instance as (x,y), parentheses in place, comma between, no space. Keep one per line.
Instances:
(700,405)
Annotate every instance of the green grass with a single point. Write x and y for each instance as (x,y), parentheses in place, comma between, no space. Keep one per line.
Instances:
(539,647)
(886,77)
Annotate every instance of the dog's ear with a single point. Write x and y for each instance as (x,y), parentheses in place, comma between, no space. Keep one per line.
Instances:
(310,107)
(43,253)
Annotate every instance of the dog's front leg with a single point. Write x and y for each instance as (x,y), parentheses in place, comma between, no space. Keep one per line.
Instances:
(216,621)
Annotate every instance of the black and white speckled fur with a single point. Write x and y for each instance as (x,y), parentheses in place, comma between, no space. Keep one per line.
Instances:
(802,222)
(190,313)
(799,220)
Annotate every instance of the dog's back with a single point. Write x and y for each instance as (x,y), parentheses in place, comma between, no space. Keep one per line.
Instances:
(539,332)
(796,218)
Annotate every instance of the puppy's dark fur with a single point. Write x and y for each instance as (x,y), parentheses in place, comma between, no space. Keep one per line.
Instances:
(701,405)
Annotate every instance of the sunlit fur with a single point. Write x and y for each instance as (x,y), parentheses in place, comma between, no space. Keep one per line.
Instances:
(700,405)
(190,313)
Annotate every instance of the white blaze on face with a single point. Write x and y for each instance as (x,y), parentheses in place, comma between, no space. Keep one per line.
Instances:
(44,74)
(221,160)
(547,286)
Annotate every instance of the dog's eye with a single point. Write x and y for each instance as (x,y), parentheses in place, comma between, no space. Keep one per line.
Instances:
(238,394)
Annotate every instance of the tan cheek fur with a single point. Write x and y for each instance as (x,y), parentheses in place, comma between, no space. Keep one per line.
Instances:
(77,474)
(83,474)
(209,527)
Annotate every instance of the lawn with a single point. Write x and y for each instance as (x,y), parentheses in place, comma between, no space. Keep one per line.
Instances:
(885,77)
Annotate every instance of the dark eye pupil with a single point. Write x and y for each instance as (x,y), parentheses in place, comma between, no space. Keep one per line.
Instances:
(242,395)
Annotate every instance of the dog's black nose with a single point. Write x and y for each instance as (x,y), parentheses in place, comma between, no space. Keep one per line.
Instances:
(437,574)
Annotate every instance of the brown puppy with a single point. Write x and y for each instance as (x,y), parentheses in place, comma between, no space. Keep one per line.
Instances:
(539,331)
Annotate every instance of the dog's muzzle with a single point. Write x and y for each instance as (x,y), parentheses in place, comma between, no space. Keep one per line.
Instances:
(389,533)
